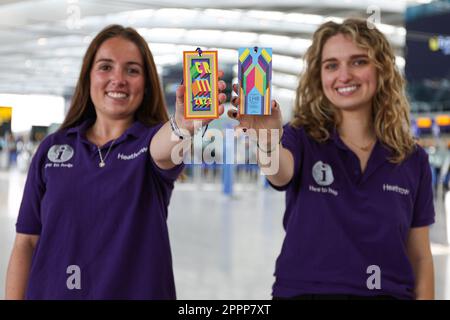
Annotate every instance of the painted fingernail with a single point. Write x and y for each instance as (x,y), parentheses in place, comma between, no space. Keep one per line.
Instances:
(234,114)
(244,129)
(181,81)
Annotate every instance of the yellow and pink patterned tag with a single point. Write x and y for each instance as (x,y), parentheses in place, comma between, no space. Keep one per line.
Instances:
(200,76)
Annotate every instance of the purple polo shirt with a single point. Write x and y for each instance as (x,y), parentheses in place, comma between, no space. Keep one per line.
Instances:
(340,222)
(109,222)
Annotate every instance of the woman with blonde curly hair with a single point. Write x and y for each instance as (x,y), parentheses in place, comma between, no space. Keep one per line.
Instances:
(358,188)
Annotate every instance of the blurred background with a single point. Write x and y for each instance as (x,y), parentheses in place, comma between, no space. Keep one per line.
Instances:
(225,223)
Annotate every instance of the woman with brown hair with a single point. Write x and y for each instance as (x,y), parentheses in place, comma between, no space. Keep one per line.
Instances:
(92,223)
(358,188)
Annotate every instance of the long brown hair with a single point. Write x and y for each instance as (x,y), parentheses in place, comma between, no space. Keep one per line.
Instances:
(152,110)
(390,108)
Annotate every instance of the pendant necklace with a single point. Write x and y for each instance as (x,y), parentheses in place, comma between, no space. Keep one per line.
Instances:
(102,160)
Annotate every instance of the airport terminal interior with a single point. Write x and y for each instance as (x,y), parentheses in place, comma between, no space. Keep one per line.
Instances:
(225,221)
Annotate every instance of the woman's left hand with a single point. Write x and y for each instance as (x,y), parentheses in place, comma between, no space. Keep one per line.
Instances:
(188,124)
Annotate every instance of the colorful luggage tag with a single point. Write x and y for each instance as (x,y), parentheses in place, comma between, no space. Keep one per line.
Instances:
(255,80)
(200,77)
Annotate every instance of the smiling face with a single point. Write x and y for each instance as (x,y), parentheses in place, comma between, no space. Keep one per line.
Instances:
(117,79)
(349,77)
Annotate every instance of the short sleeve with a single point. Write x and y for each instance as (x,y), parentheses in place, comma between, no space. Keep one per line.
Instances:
(424,213)
(291,140)
(169,175)
(29,218)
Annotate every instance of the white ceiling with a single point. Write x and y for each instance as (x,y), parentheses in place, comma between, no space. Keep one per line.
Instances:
(43,41)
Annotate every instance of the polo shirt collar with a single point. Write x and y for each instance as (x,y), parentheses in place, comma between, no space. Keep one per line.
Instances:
(135,131)
(81,128)
(334,136)
(379,155)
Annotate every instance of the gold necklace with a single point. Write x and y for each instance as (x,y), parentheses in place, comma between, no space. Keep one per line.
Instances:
(364,148)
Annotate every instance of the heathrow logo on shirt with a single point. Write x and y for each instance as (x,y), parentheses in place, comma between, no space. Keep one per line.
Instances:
(397,189)
(58,154)
(132,156)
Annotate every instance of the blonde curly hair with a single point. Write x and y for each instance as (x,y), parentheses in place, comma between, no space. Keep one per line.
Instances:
(390,108)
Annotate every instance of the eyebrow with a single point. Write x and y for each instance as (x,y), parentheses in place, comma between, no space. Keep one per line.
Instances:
(110,60)
(355,56)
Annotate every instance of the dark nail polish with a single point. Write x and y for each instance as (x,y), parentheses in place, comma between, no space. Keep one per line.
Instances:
(181,81)
(245,130)
(234,114)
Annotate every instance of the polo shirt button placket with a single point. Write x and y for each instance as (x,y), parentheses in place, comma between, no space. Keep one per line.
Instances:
(357,176)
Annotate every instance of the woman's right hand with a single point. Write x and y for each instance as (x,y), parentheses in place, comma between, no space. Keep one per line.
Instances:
(257,122)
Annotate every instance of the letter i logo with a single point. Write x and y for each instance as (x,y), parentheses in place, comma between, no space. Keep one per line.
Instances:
(60,153)
(322,173)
